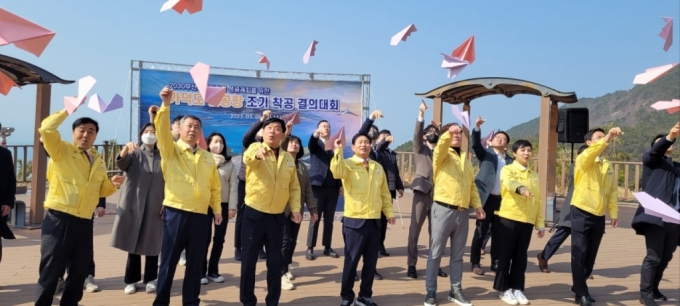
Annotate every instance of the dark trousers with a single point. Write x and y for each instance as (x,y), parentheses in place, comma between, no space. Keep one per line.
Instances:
(210,265)
(383,221)
(661,242)
(64,239)
(133,269)
(261,229)
(290,235)
(240,205)
(493,203)
(360,242)
(420,210)
(512,264)
(326,200)
(90,268)
(586,234)
(182,230)
(487,237)
(557,239)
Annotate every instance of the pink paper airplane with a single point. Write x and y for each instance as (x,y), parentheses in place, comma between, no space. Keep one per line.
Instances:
(85,84)
(466,51)
(6,84)
(667,32)
(97,104)
(671,107)
(463,117)
(295,116)
(23,34)
(651,74)
(212,95)
(340,134)
(72,103)
(201,140)
(310,52)
(403,34)
(487,138)
(657,208)
(454,65)
(263,59)
(191,6)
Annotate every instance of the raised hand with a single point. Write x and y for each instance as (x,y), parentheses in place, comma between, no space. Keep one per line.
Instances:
(479,122)
(454,129)
(265,115)
(613,133)
(675,131)
(376,114)
(389,139)
(289,127)
(422,109)
(338,143)
(166,95)
(128,148)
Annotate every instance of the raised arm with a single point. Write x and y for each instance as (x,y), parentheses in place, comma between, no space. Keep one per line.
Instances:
(441,150)
(124,158)
(418,135)
(51,138)
(338,166)
(165,144)
(477,145)
(652,157)
(586,159)
(249,136)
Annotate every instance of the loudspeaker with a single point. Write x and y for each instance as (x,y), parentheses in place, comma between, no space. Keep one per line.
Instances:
(572,124)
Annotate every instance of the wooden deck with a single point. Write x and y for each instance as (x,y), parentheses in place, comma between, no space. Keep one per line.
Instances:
(318,282)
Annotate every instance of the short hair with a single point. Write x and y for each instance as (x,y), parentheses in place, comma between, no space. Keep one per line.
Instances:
(272,120)
(385,132)
(177,119)
(141,132)
(657,137)
(322,121)
(521,143)
(447,126)
(301,152)
(85,120)
(224,141)
(581,149)
(507,137)
(590,133)
(373,127)
(431,127)
(184,118)
(356,137)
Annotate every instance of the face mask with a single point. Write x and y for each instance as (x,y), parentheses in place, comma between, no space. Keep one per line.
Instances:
(217,148)
(149,139)
(432,138)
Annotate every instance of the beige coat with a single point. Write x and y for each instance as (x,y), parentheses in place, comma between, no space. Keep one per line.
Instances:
(229,180)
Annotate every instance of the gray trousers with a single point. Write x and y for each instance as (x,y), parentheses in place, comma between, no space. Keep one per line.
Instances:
(447,224)
(422,203)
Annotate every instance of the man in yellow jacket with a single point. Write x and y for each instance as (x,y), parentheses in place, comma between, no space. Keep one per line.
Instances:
(454,193)
(77,182)
(595,192)
(191,185)
(366,196)
(271,184)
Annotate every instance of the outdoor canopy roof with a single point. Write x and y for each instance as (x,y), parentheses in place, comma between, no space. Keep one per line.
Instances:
(23,73)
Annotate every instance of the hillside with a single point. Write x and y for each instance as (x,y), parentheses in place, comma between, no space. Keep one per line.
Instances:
(629,109)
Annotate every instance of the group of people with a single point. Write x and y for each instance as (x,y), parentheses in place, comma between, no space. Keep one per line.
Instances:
(174,193)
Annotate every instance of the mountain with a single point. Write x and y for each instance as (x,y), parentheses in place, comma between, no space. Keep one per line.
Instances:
(628,109)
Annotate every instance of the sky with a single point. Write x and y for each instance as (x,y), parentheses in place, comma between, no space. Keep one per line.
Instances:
(591,48)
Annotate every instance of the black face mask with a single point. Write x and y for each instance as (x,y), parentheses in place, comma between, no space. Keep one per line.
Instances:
(432,138)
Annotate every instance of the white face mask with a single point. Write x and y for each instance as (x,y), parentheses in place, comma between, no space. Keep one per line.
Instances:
(149,139)
(216,148)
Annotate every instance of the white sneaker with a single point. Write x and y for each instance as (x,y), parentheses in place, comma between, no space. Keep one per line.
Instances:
(286,284)
(130,288)
(151,287)
(215,278)
(90,285)
(520,297)
(183,258)
(508,297)
(289,275)
(204,281)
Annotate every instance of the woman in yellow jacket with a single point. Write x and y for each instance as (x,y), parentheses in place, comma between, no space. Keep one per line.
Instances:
(521,211)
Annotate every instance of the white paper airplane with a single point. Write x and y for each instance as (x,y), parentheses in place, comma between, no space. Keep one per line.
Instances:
(346,111)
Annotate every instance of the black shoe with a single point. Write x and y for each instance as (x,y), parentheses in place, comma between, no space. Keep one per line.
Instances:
(590,298)
(310,254)
(237,254)
(648,302)
(346,303)
(377,276)
(494,267)
(431,299)
(382,251)
(659,296)
(582,301)
(330,252)
(476,269)
(457,297)
(442,273)
(263,255)
(411,272)
(362,301)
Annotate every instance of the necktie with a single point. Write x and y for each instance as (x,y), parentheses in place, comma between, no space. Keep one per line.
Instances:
(366,165)
(88,157)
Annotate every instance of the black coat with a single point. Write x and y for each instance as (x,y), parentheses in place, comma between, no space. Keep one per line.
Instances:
(658,180)
(488,164)
(8,188)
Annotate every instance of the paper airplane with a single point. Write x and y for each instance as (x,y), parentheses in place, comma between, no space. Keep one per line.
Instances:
(85,84)
(423,103)
(340,134)
(346,111)
(667,32)
(97,104)
(657,208)
(212,95)
(403,34)
(453,64)
(72,103)
(671,107)
(294,116)
(310,52)
(466,51)
(487,138)
(191,6)
(201,140)
(6,84)
(651,74)
(23,34)
(463,117)
(263,59)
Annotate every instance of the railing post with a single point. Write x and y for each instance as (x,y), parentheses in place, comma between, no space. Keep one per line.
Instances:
(105,153)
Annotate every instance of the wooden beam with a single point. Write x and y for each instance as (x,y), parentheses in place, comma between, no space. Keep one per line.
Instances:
(39,179)
(465,134)
(547,154)
(437,111)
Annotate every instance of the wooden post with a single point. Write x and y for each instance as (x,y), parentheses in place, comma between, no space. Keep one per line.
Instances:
(465,134)
(437,112)
(547,146)
(39,179)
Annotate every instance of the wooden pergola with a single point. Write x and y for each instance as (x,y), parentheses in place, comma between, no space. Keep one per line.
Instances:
(23,73)
(463,92)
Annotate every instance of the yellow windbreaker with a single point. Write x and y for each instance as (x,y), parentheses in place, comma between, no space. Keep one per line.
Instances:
(453,176)
(595,187)
(515,206)
(271,184)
